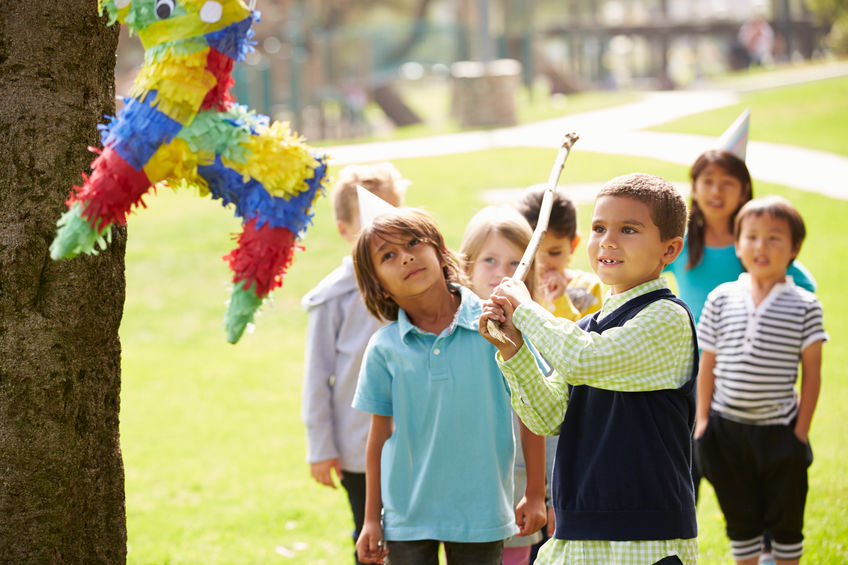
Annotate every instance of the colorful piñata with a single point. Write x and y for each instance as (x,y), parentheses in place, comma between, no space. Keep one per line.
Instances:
(181,125)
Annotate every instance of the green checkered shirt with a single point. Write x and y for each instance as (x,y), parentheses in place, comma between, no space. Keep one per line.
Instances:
(651,351)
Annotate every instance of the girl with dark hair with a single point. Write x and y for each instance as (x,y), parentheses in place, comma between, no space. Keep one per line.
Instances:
(721,185)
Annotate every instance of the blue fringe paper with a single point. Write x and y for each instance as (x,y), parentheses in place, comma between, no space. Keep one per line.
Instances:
(138,131)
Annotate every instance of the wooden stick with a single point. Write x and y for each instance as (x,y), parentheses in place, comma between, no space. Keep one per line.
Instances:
(541,225)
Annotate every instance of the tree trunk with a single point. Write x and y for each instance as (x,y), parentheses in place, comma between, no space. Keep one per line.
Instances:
(61,474)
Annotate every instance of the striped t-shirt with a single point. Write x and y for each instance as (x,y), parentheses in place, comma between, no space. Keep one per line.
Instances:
(758,349)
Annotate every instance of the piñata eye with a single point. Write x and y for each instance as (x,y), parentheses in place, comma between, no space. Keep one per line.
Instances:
(164,8)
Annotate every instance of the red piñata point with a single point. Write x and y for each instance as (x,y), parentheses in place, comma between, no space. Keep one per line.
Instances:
(262,256)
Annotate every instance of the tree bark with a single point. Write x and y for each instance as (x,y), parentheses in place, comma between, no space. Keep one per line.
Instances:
(61,473)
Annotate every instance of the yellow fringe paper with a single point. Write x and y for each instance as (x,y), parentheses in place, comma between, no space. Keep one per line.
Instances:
(176,161)
(278,159)
(182,83)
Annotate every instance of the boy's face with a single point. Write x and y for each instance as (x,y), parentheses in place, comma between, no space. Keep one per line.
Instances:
(765,247)
(405,266)
(554,253)
(625,248)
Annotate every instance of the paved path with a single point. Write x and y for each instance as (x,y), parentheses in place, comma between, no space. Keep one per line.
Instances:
(620,130)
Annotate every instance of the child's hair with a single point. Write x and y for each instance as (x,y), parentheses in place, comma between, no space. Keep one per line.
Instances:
(563,220)
(668,209)
(776,207)
(503,220)
(383,179)
(391,227)
(736,168)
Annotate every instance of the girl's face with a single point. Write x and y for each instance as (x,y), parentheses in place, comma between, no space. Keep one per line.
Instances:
(498,258)
(765,247)
(405,266)
(718,195)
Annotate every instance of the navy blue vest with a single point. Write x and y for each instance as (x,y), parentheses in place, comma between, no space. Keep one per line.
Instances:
(622,470)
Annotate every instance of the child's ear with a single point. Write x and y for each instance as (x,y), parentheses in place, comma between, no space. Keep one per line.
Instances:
(795,253)
(673,247)
(575,241)
(343,228)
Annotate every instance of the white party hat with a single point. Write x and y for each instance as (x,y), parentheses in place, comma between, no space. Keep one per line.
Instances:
(735,138)
(370,206)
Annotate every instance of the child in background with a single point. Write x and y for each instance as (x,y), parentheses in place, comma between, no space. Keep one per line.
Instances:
(440,450)
(492,246)
(721,184)
(568,293)
(751,434)
(338,330)
(622,392)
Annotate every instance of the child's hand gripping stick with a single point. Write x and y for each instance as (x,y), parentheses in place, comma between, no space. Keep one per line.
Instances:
(541,226)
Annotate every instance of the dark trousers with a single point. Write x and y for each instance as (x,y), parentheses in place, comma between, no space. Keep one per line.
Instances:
(759,474)
(426,552)
(354,484)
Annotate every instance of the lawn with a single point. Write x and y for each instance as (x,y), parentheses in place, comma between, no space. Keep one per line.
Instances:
(813,115)
(211,433)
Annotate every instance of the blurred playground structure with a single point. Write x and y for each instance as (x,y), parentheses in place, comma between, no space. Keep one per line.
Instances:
(319,63)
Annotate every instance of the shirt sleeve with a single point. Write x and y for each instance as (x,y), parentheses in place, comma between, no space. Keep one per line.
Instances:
(538,400)
(319,369)
(813,325)
(374,388)
(651,351)
(707,325)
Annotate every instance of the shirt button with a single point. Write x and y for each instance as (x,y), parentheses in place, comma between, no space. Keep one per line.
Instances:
(436,351)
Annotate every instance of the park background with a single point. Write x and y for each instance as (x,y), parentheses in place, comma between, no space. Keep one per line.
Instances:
(211,434)
(211,437)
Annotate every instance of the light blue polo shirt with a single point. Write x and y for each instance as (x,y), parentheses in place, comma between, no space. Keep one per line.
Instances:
(446,471)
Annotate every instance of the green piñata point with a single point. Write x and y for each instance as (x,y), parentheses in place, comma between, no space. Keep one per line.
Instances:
(243,305)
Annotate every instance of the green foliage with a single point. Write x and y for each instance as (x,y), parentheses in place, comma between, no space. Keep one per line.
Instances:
(827,10)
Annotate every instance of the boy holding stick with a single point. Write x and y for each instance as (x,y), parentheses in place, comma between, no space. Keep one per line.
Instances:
(622,390)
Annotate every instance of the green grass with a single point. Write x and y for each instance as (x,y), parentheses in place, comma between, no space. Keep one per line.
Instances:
(812,115)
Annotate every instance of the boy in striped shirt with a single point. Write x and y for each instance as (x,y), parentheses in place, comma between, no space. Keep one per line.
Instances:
(751,427)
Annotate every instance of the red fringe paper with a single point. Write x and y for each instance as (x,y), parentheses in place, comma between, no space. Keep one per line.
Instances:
(219,96)
(262,257)
(111,191)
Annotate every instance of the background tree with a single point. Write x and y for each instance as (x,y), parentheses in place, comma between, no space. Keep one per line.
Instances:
(61,475)
(834,13)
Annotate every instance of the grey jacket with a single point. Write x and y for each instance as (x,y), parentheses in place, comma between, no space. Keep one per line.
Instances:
(338,330)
